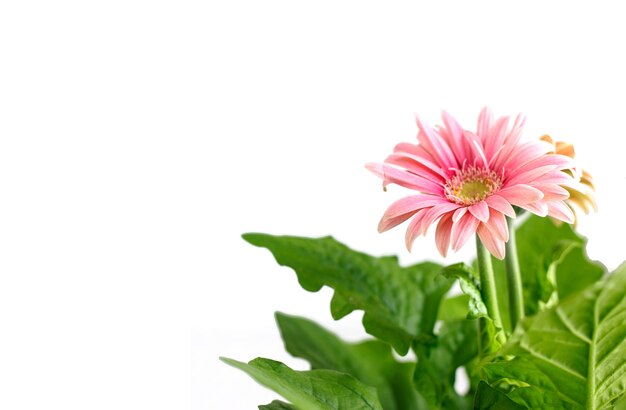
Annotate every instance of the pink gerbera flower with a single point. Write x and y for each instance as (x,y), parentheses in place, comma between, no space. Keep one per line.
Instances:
(469,182)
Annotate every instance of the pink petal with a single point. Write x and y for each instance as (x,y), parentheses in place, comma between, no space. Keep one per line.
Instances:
(500,204)
(463,230)
(556,177)
(561,211)
(455,132)
(559,162)
(480,210)
(485,119)
(406,147)
(529,176)
(496,136)
(476,148)
(459,213)
(538,208)
(434,213)
(422,161)
(520,194)
(442,234)
(521,154)
(551,192)
(404,208)
(497,225)
(414,167)
(516,130)
(437,146)
(493,244)
(391,175)
(412,231)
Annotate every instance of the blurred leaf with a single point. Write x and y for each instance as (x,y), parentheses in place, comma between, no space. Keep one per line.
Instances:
(313,389)
(277,405)
(488,398)
(572,356)
(436,368)
(371,362)
(400,304)
(454,308)
(553,264)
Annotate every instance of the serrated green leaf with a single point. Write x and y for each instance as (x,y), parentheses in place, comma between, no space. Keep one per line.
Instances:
(313,389)
(434,375)
(371,362)
(490,335)
(488,398)
(469,286)
(400,304)
(553,265)
(277,405)
(572,356)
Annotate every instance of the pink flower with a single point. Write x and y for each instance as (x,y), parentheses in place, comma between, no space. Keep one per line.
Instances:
(469,182)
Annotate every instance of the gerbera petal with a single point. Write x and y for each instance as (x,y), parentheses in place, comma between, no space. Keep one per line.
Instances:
(459,213)
(557,177)
(539,208)
(476,148)
(412,231)
(497,225)
(463,230)
(404,208)
(485,120)
(501,205)
(559,210)
(391,175)
(496,136)
(520,154)
(491,242)
(455,132)
(414,166)
(437,146)
(551,192)
(530,175)
(520,194)
(442,234)
(480,210)
(435,213)
(559,162)
(422,157)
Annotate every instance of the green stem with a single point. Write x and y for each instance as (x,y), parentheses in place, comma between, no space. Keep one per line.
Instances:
(514,278)
(488,283)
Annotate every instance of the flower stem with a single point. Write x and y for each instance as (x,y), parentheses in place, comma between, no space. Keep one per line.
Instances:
(514,278)
(487,283)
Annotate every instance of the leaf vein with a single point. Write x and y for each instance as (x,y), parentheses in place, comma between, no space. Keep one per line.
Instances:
(571,327)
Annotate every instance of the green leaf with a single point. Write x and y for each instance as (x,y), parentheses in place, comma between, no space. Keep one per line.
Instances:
(572,356)
(277,405)
(575,272)
(434,375)
(553,264)
(313,389)
(488,398)
(400,304)
(470,286)
(489,333)
(371,362)
(454,308)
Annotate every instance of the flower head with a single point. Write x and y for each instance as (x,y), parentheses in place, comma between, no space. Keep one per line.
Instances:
(582,194)
(470,181)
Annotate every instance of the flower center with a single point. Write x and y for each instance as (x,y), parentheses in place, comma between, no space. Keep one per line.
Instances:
(471,185)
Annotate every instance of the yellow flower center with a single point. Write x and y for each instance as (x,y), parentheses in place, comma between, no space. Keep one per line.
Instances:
(471,185)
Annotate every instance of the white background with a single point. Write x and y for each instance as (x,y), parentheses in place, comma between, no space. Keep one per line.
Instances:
(139,139)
